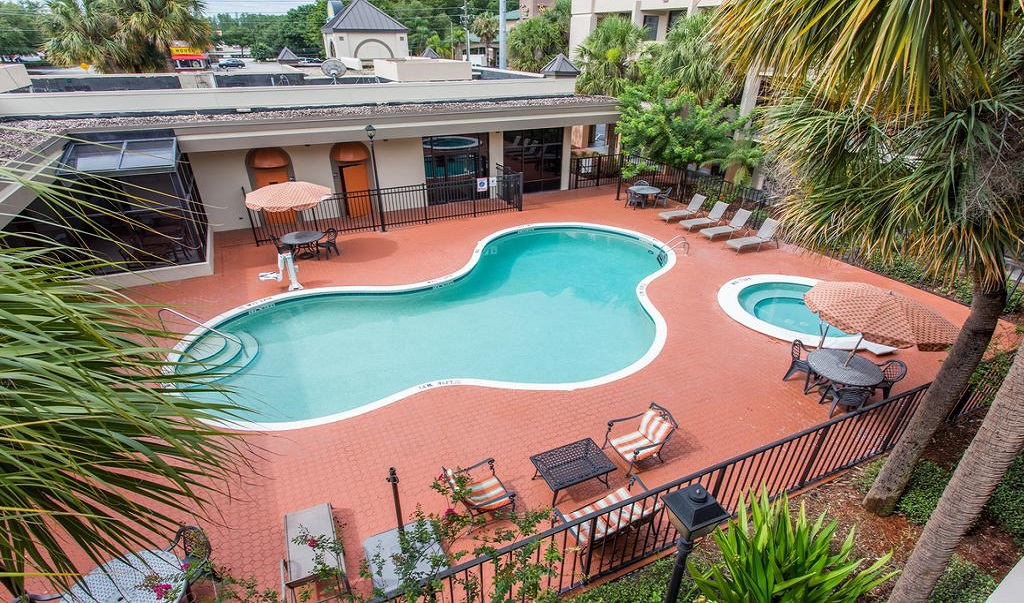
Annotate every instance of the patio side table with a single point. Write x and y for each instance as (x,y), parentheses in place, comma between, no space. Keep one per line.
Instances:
(572,464)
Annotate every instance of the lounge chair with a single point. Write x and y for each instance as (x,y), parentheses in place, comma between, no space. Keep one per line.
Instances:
(893,371)
(589,534)
(297,569)
(765,234)
(738,223)
(652,433)
(715,216)
(482,494)
(690,210)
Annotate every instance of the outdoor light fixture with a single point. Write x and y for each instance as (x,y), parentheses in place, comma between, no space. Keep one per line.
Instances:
(694,513)
(370,133)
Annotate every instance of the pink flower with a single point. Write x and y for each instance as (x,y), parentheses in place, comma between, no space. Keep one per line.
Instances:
(450,514)
(161,589)
(311,542)
(440,477)
(184,566)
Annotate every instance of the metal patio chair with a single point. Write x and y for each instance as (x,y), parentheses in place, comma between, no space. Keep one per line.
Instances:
(655,428)
(798,364)
(893,371)
(328,244)
(849,397)
(483,494)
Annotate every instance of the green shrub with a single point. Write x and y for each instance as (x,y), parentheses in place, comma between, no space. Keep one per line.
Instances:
(646,585)
(865,476)
(1006,507)
(767,557)
(923,492)
(962,582)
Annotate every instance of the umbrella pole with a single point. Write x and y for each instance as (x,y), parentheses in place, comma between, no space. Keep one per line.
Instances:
(824,332)
(854,350)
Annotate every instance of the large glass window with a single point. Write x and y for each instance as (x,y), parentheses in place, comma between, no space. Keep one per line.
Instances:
(455,157)
(538,155)
(674,16)
(651,26)
(131,201)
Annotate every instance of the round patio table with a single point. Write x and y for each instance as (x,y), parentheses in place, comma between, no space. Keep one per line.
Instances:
(302,237)
(831,364)
(644,191)
(130,579)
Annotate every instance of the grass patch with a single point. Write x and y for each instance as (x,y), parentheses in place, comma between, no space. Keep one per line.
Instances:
(923,492)
(962,582)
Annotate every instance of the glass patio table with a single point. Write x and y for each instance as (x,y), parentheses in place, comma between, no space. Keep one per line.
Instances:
(302,238)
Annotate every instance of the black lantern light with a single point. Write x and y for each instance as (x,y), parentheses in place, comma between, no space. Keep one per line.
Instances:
(694,513)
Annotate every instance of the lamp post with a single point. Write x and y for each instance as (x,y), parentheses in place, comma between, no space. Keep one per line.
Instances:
(694,513)
(370,133)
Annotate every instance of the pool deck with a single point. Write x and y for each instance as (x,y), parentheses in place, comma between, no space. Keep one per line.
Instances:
(721,381)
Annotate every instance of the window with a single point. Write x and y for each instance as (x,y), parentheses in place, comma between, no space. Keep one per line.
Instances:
(674,16)
(458,159)
(538,155)
(651,26)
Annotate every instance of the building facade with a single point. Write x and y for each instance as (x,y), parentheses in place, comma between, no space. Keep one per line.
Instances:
(204,149)
(656,16)
(363,31)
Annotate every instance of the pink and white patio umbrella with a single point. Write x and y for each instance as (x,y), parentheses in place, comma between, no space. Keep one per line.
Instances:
(286,196)
(880,315)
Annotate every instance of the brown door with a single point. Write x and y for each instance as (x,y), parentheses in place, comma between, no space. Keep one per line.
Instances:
(275,175)
(355,180)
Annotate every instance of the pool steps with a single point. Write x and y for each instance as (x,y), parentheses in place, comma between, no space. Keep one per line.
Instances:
(219,357)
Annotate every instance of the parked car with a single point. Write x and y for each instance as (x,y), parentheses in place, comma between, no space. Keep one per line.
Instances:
(229,62)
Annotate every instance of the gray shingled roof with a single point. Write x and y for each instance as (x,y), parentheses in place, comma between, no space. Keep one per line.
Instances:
(560,65)
(360,15)
(286,54)
(430,53)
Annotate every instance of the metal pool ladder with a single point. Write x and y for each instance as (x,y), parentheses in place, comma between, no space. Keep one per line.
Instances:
(160,315)
(675,243)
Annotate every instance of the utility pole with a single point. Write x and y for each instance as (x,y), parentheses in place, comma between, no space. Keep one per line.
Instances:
(465,24)
(502,35)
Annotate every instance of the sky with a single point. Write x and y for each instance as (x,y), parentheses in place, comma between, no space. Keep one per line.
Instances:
(272,7)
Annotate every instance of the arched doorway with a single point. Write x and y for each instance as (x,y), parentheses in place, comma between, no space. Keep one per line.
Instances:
(270,165)
(351,161)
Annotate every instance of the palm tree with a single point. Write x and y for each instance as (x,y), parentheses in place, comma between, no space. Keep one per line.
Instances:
(485,27)
(97,447)
(534,42)
(608,57)
(161,22)
(906,141)
(692,57)
(82,31)
(997,443)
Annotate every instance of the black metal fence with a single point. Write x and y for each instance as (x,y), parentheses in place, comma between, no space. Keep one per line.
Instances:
(786,465)
(600,170)
(380,209)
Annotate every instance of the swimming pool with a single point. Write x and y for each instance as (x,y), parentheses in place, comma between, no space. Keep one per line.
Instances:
(773,304)
(547,306)
(451,143)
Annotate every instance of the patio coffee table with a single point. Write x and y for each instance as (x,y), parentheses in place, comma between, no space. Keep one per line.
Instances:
(572,464)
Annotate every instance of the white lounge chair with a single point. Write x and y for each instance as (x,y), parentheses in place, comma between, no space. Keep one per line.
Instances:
(738,223)
(714,217)
(690,210)
(765,234)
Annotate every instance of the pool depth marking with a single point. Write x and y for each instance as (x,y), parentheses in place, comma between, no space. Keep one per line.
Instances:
(660,328)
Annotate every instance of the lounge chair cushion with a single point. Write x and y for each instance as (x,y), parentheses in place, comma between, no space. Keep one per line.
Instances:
(654,427)
(483,495)
(608,524)
(628,444)
(689,210)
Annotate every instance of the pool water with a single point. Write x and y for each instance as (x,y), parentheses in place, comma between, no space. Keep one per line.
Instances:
(782,305)
(551,305)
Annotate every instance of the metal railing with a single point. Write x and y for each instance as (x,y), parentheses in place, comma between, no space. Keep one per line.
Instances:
(160,315)
(786,465)
(380,209)
(594,170)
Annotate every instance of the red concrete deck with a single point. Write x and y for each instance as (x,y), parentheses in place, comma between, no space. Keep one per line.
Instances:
(720,380)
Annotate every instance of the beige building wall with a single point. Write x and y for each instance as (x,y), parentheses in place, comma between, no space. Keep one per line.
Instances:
(367,45)
(586,14)
(221,175)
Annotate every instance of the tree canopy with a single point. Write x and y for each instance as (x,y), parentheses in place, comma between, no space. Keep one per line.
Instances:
(20,31)
(537,40)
